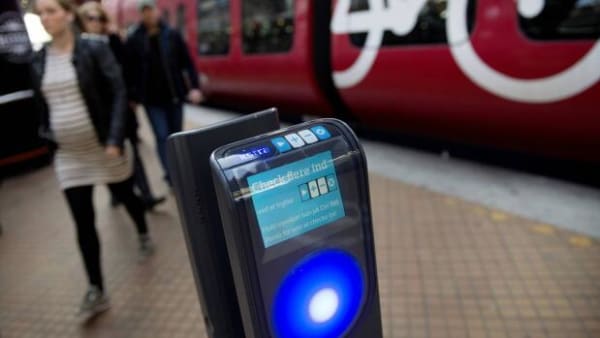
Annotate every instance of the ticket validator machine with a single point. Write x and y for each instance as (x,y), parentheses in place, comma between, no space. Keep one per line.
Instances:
(188,158)
(297,221)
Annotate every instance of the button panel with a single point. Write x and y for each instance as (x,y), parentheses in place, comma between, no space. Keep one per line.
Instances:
(318,187)
(295,140)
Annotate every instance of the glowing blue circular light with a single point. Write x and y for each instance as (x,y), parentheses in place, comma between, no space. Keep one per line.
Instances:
(320,297)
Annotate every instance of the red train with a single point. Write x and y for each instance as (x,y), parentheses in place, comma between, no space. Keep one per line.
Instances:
(20,146)
(511,74)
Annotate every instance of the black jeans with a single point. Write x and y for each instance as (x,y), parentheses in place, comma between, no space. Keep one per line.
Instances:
(165,120)
(80,203)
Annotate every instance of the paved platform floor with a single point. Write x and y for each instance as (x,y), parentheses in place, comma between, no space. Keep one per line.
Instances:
(447,268)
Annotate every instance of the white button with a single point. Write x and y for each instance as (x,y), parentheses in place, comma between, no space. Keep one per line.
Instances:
(308,136)
(294,140)
(313,188)
(322,186)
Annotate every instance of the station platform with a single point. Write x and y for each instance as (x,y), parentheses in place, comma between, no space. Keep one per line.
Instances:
(447,267)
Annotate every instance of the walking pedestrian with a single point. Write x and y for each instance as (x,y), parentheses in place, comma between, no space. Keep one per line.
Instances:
(157,57)
(81,93)
(93,19)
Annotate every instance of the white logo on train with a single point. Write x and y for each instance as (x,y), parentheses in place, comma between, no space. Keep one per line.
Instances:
(400,17)
(14,41)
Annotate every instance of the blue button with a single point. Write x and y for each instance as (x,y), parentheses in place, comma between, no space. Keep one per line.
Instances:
(321,132)
(304,194)
(281,144)
(320,297)
(331,183)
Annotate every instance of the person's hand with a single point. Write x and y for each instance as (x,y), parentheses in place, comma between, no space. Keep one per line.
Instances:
(112,151)
(133,105)
(195,96)
(112,28)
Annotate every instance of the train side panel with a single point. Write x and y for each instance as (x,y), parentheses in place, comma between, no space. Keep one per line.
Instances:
(427,89)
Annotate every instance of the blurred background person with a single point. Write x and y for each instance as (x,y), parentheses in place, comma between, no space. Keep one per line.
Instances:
(157,57)
(93,19)
(82,98)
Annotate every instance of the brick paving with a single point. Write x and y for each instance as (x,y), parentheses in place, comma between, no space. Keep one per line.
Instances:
(447,268)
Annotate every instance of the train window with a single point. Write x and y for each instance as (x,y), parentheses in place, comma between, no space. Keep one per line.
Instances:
(214,27)
(268,26)
(180,20)
(562,19)
(429,27)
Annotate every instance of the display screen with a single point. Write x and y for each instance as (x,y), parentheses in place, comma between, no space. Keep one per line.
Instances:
(295,198)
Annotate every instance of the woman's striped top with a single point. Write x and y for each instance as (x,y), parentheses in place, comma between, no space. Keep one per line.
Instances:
(80,159)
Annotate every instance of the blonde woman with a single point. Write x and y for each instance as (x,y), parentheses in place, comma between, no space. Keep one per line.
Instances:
(93,19)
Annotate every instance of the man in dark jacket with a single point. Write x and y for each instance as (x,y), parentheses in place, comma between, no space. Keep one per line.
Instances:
(157,57)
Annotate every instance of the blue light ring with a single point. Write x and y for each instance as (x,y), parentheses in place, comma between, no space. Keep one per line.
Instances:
(329,268)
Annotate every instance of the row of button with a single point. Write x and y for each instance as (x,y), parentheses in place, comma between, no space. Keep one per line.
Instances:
(318,187)
(297,140)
